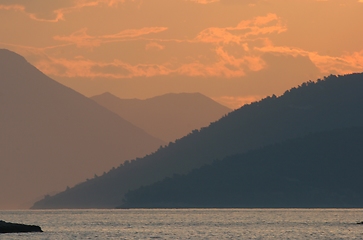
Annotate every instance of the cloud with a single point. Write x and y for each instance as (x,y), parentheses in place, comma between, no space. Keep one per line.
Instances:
(81,67)
(204,1)
(246,29)
(224,48)
(235,102)
(344,64)
(112,69)
(239,50)
(54,10)
(231,55)
(241,2)
(232,47)
(12,7)
(51,11)
(82,39)
(154,46)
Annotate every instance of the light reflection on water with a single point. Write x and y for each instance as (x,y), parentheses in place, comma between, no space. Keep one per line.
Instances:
(190,224)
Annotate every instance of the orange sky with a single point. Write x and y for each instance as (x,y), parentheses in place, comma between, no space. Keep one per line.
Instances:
(234,51)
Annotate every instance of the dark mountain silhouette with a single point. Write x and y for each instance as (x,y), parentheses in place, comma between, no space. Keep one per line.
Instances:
(328,104)
(167,117)
(318,170)
(52,136)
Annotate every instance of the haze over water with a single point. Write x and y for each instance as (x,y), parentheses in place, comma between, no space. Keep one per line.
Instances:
(191,224)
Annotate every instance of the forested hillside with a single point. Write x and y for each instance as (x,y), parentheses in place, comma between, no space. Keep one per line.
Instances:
(318,170)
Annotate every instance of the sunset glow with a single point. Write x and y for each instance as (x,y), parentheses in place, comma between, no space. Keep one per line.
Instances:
(234,51)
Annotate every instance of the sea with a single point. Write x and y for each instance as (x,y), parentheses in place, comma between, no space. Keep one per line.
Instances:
(189,224)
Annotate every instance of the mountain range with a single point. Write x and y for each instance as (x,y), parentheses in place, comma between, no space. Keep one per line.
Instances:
(332,103)
(167,117)
(53,137)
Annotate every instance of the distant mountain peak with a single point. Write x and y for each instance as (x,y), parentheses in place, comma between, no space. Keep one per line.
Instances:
(9,59)
(167,117)
(106,95)
(52,136)
(7,52)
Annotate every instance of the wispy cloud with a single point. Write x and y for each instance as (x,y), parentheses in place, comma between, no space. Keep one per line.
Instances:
(82,39)
(235,102)
(55,10)
(57,15)
(154,46)
(262,25)
(239,59)
(203,1)
(229,40)
(344,64)
(81,67)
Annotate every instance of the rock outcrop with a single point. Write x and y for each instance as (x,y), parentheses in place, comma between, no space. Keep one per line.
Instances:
(6,227)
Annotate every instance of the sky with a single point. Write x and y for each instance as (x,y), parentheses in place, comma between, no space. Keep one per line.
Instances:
(234,51)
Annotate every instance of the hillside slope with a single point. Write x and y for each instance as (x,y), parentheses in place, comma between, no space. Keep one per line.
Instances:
(318,170)
(167,117)
(332,103)
(53,137)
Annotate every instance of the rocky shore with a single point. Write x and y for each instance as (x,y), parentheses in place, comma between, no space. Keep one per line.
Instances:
(6,227)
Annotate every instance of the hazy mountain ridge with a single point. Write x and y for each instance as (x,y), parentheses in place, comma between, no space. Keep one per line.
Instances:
(52,136)
(318,170)
(325,105)
(167,117)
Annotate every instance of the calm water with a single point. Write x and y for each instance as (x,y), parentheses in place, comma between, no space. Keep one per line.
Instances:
(190,224)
